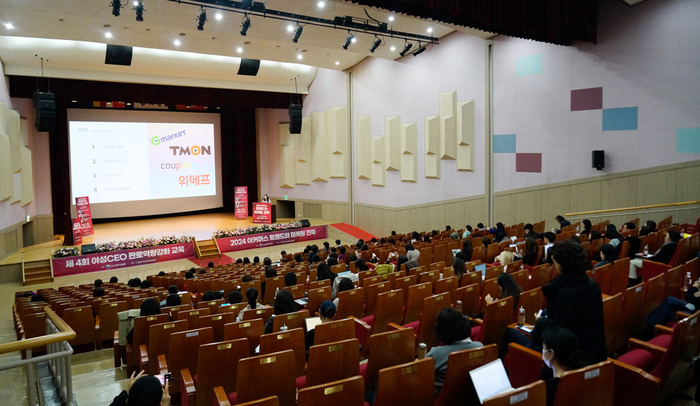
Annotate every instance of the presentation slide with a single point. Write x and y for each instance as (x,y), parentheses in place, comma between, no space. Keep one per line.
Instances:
(119,162)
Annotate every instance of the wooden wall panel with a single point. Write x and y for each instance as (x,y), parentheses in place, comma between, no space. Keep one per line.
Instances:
(618,192)
(404,221)
(688,184)
(364,147)
(475,212)
(419,219)
(503,209)
(585,196)
(528,207)
(455,214)
(5,168)
(656,188)
(554,201)
(392,143)
(436,218)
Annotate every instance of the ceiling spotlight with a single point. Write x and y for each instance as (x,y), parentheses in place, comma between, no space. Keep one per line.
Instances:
(177,42)
(245,26)
(407,47)
(300,57)
(290,28)
(219,16)
(420,50)
(138,7)
(430,30)
(392,49)
(297,33)
(377,42)
(239,50)
(337,63)
(353,40)
(201,18)
(321,4)
(116,7)
(108,35)
(9,26)
(350,39)
(391,18)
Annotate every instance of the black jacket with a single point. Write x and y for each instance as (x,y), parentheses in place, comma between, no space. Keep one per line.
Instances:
(665,253)
(574,302)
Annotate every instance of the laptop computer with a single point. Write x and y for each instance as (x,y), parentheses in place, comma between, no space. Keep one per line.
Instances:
(490,380)
(480,267)
(455,252)
(312,322)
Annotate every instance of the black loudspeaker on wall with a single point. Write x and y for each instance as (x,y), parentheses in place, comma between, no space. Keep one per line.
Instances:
(45,111)
(305,223)
(249,67)
(118,55)
(88,249)
(599,160)
(295,118)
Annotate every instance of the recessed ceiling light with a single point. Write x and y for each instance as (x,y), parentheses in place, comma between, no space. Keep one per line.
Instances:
(176,42)
(108,34)
(300,57)
(391,18)
(393,48)
(136,3)
(337,63)
(321,4)
(219,16)
(430,29)
(290,28)
(353,40)
(9,26)
(239,50)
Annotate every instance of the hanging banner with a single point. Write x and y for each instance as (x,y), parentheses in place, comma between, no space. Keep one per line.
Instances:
(241,196)
(77,232)
(262,213)
(251,241)
(82,205)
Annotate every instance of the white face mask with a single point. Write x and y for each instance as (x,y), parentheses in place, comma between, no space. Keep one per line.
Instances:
(547,356)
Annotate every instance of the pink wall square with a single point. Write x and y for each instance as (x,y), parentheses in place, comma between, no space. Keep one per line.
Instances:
(528,162)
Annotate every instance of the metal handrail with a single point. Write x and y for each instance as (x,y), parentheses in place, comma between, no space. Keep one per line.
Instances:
(63,333)
(651,206)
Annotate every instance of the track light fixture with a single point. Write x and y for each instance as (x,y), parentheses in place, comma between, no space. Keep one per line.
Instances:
(245,25)
(420,50)
(116,7)
(297,33)
(138,7)
(407,47)
(349,40)
(201,18)
(377,42)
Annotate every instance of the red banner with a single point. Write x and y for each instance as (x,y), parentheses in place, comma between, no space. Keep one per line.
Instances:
(262,213)
(241,195)
(246,242)
(82,205)
(77,232)
(104,261)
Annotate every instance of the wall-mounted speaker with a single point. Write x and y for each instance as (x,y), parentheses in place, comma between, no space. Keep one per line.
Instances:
(599,160)
(88,249)
(44,111)
(295,118)
(305,223)
(249,67)
(118,55)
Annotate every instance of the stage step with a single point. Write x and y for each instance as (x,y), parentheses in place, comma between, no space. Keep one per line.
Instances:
(34,272)
(207,249)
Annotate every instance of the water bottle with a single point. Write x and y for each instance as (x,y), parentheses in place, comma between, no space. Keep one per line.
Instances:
(283,328)
(522,267)
(688,281)
(459,306)
(422,350)
(646,250)
(521,316)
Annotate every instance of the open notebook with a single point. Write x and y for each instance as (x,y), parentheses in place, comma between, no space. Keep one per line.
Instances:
(490,380)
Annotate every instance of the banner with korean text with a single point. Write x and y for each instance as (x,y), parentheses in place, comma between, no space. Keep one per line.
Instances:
(241,195)
(262,213)
(250,241)
(104,261)
(77,232)
(82,205)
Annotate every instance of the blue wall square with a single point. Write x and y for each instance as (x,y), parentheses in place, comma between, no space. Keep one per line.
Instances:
(688,140)
(528,65)
(504,143)
(623,118)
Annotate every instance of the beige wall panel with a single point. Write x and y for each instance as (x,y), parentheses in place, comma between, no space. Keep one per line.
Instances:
(528,207)
(555,201)
(327,211)
(378,156)
(302,151)
(392,143)
(364,147)
(5,168)
(376,217)
(432,146)
(656,188)
(475,212)
(619,192)
(404,222)
(409,152)
(419,219)
(16,141)
(26,177)
(448,125)
(4,111)
(503,209)
(287,164)
(336,125)
(436,217)
(388,222)
(465,135)
(687,184)
(585,196)
(361,217)
(454,215)
(44,228)
(319,148)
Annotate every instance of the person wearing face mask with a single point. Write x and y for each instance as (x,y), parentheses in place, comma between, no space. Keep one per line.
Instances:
(560,353)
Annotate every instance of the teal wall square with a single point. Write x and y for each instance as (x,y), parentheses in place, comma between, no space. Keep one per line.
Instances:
(619,119)
(688,140)
(504,143)
(528,65)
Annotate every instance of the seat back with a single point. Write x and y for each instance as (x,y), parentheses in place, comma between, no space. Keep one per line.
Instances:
(618,278)
(414,303)
(316,297)
(497,316)
(233,308)
(351,303)
(439,252)
(430,276)
(426,256)
(159,341)
(534,394)
(372,295)
(490,287)
(333,331)
(81,321)
(109,323)
(184,350)
(674,281)
(255,284)
(291,320)
(491,253)
(389,307)
(612,312)
(602,276)
(532,301)
(470,297)
(404,283)
(632,307)
(412,383)
(217,323)
(492,272)
(432,305)
(141,330)
(286,340)
(213,359)
(448,285)
(371,280)
(386,350)
(654,293)
(192,316)
(471,278)
(212,305)
(258,313)
(346,392)
(674,365)
(541,275)
(596,381)
(333,361)
(253,381)
(693,266)
(250,329)
(326,283)
(457,388)
(522,278)
(271,286)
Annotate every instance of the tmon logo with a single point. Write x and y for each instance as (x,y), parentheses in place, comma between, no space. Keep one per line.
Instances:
(192,150)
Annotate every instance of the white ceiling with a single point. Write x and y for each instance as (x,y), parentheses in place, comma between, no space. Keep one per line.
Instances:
(165,21)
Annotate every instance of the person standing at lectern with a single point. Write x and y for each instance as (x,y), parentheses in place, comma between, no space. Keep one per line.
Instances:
(265,199)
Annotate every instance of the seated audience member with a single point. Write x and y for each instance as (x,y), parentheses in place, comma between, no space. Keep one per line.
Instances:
(172,290)
(332,260)
(327,246)
(246,278)
(663,254)
(149,307)
(594,235)
(246,260)
(143,390)
(467,249)
(415,237)
(530,231)
(324,272)
(256,260)
(341,256)
(629,226)
(290,279)
(173,300)
(189,275)
(210,265)
(504,258)
(114,279)
(252,296)
(426,238)
(453,330)
(202,271)
(315,259)
(161,273)
(400,260)
(467,231)
(562,222)
(608,255)
(37,298)
(666,311)
(648,228)
(499,232)
(460,268)
(393,233)
(412,253)
(614,238)
(208,296)
(509,288)
(298,258)
(343,285)
(146,284)
(313,253)
(98,283)
(530,253)
(480,226)
(327,313)
(586,227)
(284,304)
(235,297)
(98,292)
(574,239)
(486,241)
(135,283)
(454,235)
(270,272)
(267,262)
(560,353)
(337,243)
(239,261)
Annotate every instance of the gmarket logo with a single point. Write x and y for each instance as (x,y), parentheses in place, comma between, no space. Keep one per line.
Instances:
(170,137)
(155,141)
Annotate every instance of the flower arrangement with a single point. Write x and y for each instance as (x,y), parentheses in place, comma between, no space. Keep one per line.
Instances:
(66,252)
(263,228)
